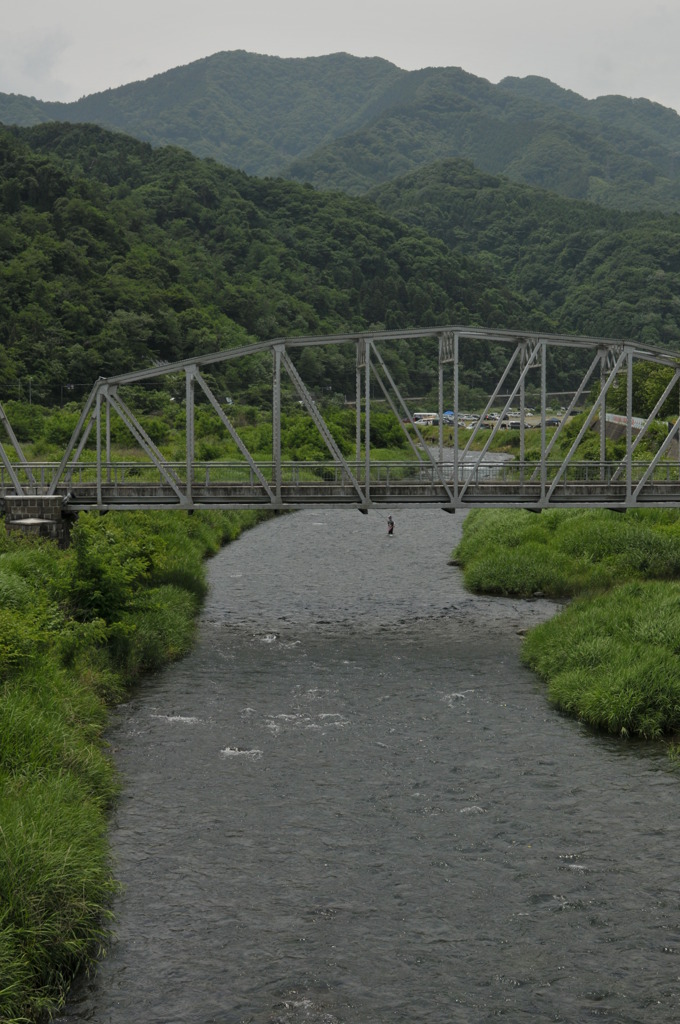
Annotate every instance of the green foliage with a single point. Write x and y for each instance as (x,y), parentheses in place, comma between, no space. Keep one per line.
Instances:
(137,256)
(348,123)
(611,657)
(159,630)
(544,137)
(650,382)
(592,271)
(76,627)
(615,662)
(55,882)
(564,553)
(104,570)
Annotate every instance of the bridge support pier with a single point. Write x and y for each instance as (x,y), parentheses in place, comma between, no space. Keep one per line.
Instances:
(38,515)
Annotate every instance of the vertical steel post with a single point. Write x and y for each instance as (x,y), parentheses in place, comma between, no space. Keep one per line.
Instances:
(603,412)
(108,439)
(544,402)
(367,418)
(190,434)
(276,423)
(456,408)
(441,399)
(98,416)
(522,414)
(629,428)
(357,394)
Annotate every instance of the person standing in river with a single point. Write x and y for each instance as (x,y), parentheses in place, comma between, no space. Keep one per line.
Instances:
(390,525)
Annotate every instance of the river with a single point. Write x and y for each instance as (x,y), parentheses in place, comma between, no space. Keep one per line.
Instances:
(352,805)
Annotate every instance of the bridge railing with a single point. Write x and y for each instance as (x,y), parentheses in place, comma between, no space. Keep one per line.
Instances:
(386,474)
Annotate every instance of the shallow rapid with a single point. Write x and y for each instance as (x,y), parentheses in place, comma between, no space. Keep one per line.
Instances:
(352,804)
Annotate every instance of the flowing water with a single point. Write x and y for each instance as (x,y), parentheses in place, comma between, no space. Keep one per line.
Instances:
(352,805)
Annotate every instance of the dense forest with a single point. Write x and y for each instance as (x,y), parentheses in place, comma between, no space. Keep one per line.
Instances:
(118,253)
(605,273)
(350,123)
(117,256)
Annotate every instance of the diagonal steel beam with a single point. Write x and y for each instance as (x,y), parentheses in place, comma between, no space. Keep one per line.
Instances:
(572,405)
(234,434)
(392,406)
(430,458)
(83,418)
(598,407)
(311,406)
(492,399)
(85,436)
(650,419)
(528,365)
(20,455)
(147,444)
(672,434)
(140,434)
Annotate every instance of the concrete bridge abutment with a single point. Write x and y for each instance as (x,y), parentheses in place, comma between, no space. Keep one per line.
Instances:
(38,515)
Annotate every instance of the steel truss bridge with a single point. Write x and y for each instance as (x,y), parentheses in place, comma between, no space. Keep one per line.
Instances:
(458,472)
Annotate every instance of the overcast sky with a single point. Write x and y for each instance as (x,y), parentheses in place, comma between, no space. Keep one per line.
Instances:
(64,49)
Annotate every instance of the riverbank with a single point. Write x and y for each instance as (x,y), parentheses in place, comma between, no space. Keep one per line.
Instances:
(77,627)
(610,658)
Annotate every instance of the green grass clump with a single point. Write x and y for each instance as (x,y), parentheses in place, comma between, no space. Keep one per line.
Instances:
(612,657)
(523,570)
(614,661)
(562,553)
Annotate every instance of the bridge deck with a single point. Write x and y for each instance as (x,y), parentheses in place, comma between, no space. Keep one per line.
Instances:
(482,485)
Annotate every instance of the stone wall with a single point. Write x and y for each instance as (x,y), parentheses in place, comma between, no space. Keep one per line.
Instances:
(38,515)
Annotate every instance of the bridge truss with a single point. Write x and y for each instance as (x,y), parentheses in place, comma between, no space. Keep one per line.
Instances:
(459,471)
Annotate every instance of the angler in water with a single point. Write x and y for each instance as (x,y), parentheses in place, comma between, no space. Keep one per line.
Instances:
(390,525)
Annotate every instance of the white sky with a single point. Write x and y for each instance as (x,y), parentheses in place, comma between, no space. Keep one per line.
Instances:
(64,49)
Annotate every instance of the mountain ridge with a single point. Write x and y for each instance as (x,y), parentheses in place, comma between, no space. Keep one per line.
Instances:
(351,123)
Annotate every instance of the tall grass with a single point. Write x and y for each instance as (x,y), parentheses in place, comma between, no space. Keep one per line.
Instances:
(76,627)
(56,886)
(563,553)
(612,657)
(615,661)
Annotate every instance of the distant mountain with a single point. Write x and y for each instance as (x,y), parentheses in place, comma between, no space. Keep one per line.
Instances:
(348,123)
(251,112)
(613,151)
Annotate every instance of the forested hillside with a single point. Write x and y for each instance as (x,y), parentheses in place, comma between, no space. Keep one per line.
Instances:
(600,272)
(349,123)
(523,134)
(251,112)
(116,255)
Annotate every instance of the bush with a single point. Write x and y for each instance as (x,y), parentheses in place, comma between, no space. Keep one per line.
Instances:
(159,630)
(522,571)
